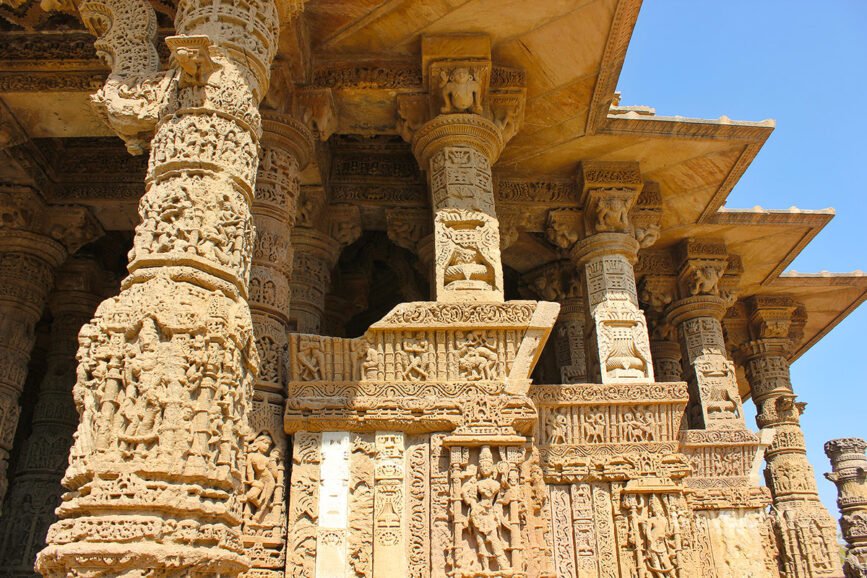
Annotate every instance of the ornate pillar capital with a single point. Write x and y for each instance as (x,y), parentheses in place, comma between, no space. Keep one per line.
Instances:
(604,244)
(457,130)
(608,191)
(705,268)
(775,322)
(48,232)
(655,293)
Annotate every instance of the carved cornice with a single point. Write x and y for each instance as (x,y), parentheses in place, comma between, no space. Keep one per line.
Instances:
(61,81)
(556,193)
(612,61)
(395,76)
(43,50)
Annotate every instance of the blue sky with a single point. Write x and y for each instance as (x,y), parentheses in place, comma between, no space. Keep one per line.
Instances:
(803,64)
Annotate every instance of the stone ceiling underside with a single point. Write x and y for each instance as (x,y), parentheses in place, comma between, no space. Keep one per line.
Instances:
(368,52)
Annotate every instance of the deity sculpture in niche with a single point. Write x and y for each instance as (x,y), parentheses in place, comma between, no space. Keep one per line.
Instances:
(485,491)
(461,90)
(499,513)
(653,535)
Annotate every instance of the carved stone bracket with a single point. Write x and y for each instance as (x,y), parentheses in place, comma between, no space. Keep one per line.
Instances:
(457,76)
(316,107)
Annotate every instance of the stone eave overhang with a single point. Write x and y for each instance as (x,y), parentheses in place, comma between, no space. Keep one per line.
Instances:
(828,299)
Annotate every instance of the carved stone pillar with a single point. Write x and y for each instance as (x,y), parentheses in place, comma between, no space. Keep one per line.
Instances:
(457,131)
(655,294)
(35,488)
(34,241)
(287,145)
(320,234)
(704,298)
(606,255)
(850,477)
(561,283)
(316,254)
(166,370)
(457,151)
(805,530)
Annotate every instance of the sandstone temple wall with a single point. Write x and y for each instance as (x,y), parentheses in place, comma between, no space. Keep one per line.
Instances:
(209,415)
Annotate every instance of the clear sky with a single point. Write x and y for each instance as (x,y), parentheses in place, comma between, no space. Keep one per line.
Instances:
(804,64)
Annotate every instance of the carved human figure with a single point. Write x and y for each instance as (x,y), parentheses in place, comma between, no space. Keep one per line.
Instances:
(311,360)
(655,532)
(478,359)
(260,478)
(416,359)
(486,521)
(558,427)
(612,214)
(461,90)
(593,428)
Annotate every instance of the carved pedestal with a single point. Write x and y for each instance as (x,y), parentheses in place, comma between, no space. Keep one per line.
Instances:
(850,477)
(417,449)
(35,488)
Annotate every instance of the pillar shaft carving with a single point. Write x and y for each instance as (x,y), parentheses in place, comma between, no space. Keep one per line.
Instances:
(562,283)
(656,292)
(316,253)
(34,240)
(850,476)
(715,402)
(286,148)
(166,369)
(35,488)
(805,530)
(606,254)
(457,151)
